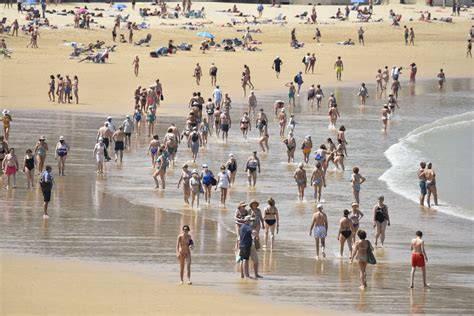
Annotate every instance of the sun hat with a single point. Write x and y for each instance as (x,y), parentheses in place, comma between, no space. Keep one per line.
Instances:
(42,137)
(254,202)
(5,111)
(242,204)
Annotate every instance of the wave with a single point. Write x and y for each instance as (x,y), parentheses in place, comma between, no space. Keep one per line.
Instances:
(405,155)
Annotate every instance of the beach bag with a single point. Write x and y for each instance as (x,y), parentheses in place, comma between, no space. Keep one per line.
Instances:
(45,185)
(213,181)
(370,255)
(318,156)
(256,242)
(162,97)
(295,79)
(304,60)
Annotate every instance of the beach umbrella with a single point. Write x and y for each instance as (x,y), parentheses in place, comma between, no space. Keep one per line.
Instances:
(358,1)
(82,10)
(205,34)
(30,2)
(119,6)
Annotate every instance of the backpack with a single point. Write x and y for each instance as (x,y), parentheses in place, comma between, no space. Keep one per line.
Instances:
(295,79)
(304,60)
(195,137)
(45,185)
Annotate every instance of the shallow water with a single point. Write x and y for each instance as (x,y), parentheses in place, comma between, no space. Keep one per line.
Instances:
(119,217)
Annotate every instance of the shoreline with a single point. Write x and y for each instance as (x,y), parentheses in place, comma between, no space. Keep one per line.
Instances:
(97,288)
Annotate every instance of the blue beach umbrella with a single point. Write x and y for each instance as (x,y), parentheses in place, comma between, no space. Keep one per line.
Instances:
(119,6)
(358,1)
(30,2)
(205,34)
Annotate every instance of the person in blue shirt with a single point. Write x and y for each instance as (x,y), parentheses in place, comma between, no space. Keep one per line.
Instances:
(260,10)
(299,81)
(245,245)
(46,182)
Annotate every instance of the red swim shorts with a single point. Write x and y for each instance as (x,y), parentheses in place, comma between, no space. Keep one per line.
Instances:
(417,260)
(10,170)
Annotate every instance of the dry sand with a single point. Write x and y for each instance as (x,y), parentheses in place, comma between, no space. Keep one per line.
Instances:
(109,88)
(41,286)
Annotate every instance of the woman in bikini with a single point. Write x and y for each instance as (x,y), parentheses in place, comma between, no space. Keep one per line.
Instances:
(153,149)
(360,251)
(339,159)
(184,245)
(185,177)
(282,119)
(52,87)
(6,120)
(385,115)
(272,222)
(342,136)
(197,73)
(264,139)
(245,125)
(306,147)
(355,216)
(381,220)
(40,151)
(136,65)
(196,187)
(217,120)
(385,78)
(319,96)
(318,180)
(29,168)
(290,143)
(331,153)
(223,182)
(378,80)
(356,180)
(345,232)
(333,114)
(161,166)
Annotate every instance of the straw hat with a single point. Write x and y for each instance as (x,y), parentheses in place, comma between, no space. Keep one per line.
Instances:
(242,204)
(42,137)
(254,202)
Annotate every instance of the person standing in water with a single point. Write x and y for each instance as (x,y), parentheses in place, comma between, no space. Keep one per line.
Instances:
(290,143)
(431,184)
(10,167)
(252,164)
(422,182)
(128,127)
(381,220)
(301,180)
(29,168)
(40,151)
(184,245)
(46,183)
(161,165)
(185,177)
(319,228)
(360,251)
(418,258)
(282,120)
(339,67)
(223,183)
(196,186)
(318,180)
(306,147)
(272,222)
(441,79)
(99,155)
(136,65)
(385,116)
(60,154)
(119,139)
(356,180)
(346,230)
(355,216)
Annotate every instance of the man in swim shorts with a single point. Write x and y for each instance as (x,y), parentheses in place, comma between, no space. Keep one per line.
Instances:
(418,258)
(319,228)
(119,138)
(245,246)
(339,66)
(422,178)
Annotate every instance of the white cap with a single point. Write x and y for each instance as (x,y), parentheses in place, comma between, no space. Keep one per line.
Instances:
(204,165)
(61,137)
(101,138)
(5,111)
(231,155)
(128,116)
(319,206)
(109,117)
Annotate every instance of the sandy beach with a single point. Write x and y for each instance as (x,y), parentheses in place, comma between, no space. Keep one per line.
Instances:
(108,247)
(45,286)
(109,88)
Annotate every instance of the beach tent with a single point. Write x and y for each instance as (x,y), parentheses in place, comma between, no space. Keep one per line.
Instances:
(205,34)
(119,6)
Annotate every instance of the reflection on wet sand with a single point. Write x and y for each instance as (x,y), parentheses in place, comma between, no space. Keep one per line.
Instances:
(119,217)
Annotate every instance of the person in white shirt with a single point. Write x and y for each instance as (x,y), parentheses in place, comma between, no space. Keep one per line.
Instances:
(223,182)
(128,128)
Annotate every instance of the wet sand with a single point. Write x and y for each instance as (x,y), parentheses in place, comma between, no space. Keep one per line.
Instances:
(120,218)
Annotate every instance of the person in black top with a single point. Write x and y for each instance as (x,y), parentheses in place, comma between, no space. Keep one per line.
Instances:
(46,182)
(381,220)
(277,66)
